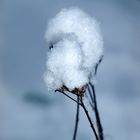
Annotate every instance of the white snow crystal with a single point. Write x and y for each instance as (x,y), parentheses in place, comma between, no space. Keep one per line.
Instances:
(77,48)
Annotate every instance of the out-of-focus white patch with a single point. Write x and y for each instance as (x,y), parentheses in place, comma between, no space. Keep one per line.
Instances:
(77,48)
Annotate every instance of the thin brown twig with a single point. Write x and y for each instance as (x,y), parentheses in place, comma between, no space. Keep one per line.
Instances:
(89,119)
(97,116)
(68,96)
(90,94)
(77,119)
(96,67)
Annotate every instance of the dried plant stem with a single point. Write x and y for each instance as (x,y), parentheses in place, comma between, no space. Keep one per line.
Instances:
(68,96)
(81,103)
(77,119)
(97,116)
(96,67)
(90,98)
(89,119)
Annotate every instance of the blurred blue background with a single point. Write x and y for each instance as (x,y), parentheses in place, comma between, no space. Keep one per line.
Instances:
(28,111)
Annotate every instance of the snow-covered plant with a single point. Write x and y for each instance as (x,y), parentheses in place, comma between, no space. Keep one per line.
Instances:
(75,50)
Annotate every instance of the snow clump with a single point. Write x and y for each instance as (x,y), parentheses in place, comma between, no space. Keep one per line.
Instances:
(75,47)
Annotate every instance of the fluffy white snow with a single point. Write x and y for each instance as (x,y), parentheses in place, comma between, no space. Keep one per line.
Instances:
(77,48)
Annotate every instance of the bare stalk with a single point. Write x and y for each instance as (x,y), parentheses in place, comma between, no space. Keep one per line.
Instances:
(97,116)
(77,119)
(96,67)
(68,96)
(89,119)
(93,104)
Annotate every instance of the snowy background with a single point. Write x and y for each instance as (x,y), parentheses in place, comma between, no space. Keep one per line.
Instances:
(28,111)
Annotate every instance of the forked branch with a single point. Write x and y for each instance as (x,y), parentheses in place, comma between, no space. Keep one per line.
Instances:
(80,103)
